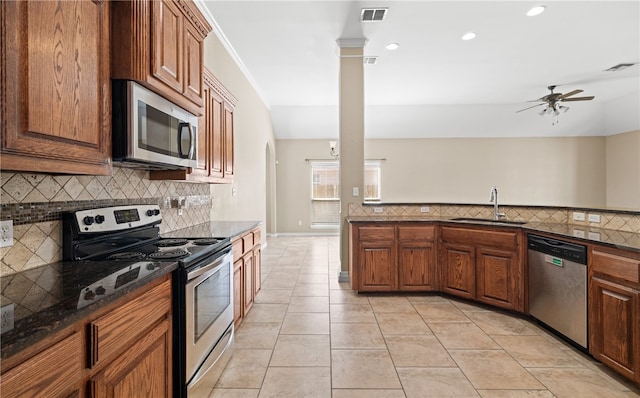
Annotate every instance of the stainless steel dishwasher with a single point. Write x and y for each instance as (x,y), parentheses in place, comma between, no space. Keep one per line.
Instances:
(558,286)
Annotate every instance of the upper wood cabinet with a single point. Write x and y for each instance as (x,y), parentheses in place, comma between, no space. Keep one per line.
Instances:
(160,44)
(215,138)
(56,93)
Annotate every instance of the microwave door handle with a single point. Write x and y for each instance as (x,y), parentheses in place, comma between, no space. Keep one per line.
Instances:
(192,142)
(181,128)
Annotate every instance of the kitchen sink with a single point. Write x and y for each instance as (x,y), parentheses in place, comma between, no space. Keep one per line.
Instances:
(472,219)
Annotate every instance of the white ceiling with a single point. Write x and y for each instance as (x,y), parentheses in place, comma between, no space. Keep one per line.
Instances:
(435,84)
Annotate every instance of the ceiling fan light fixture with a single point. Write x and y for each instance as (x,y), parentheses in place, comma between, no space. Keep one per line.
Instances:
(542,112)
(537,10)
(469,36)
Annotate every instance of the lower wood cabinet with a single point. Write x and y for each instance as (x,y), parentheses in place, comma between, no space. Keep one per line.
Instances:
(53,372)
(247,273)
(458,269)
(483,264)
(145,368)
(614,310)
(417,258)
(392,258)
(123,350)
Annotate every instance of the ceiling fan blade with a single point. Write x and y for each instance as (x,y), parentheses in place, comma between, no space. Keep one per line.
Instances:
(530,107)
(570,93)
(589,98)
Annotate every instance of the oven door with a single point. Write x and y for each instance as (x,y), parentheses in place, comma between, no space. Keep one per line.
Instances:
(209,311)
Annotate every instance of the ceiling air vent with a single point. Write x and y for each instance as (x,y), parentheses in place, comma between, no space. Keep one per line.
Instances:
(619,67)
(373,14)
(369,60)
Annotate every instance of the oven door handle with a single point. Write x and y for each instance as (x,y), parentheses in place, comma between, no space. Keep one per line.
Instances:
(210,268)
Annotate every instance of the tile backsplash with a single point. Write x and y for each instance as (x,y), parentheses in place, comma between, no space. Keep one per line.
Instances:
(626,221)
(35,203)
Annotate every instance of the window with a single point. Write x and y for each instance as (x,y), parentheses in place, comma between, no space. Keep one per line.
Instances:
(372,181)
(325,190)
(325,193)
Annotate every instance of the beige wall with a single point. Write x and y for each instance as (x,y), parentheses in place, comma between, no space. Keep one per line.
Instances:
(527,171)
(623,170)
(253,135)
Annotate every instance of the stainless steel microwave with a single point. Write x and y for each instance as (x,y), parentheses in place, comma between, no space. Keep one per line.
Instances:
(150,132)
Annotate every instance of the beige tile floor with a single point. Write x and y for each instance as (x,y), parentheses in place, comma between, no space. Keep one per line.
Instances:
(310,336)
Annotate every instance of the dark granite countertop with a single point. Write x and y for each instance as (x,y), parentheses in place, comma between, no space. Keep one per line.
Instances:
(215,229)
(619,239)
(49,298)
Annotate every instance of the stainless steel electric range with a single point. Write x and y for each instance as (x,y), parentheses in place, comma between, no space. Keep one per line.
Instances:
(202,290)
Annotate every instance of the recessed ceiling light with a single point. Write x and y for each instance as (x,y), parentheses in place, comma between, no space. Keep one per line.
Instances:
(469,36)
(537,10)
(392,46)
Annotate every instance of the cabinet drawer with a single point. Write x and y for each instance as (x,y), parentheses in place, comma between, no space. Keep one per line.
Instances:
(376,233)
(237,249)
(416,233)
(121,327)
(256,236)
(480,237)
(247,242)
(51,373)
(616,266)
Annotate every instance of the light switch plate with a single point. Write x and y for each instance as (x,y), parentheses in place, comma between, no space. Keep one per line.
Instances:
(356,191)
(424,209)
(594,218)
(578,216)
(578,233)
(377,209)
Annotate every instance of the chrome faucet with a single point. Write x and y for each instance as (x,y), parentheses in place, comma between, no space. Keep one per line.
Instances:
(494,199)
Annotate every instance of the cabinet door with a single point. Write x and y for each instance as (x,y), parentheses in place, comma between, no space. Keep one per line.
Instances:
(497,277)
(54,372)
(248,275)
(193,46)
(377,268)
(416,266)
(144,370)
(228,143)
(458,270)
(614,326)
(166,44)
(257,269)
(238,292)
(217,136)
(55,92)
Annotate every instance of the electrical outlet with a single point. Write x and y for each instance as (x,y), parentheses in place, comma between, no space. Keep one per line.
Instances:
(377,209)
(578,233)
(6,233)
(424,209)
(594,218)
(356,191)
(578,216)
(6,318)
(594,235)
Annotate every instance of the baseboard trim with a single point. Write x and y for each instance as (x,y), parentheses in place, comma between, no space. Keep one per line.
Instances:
(343,276)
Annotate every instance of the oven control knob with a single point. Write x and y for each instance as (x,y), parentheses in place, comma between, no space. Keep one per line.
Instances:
(100,290)
(88,220)
(99,219)
(89,295)
(153,212)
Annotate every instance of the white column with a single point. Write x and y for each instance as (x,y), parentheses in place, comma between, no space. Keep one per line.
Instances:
(351,110)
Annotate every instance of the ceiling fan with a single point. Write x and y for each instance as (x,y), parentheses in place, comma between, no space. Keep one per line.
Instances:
(553,100)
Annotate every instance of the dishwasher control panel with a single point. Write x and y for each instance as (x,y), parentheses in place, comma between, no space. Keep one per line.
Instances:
(565,250)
